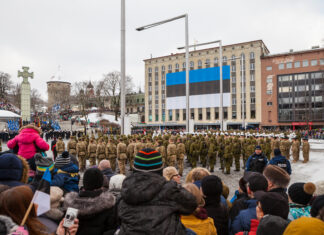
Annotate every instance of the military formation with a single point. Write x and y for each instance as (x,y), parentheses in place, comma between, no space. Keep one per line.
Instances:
(229,149)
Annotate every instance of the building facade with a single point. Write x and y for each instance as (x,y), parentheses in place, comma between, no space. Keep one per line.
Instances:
(58,94)
(157,70)
(293,89)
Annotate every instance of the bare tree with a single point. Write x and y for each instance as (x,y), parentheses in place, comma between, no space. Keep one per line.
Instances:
(16,95)
(35,99)
(5,85)
(110,85)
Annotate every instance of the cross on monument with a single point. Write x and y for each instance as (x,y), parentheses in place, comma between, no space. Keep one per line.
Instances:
(25,74)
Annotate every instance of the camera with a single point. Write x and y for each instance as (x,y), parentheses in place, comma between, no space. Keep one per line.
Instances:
(70,215)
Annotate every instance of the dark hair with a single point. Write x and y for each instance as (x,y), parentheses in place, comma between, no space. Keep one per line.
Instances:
(15,202)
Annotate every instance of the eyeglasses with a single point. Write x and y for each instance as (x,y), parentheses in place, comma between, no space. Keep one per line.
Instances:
(177,175)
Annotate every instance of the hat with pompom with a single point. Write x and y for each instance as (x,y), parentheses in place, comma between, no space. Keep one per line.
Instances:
(301,193)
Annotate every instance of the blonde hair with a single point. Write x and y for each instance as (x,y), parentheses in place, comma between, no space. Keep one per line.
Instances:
(168,172)
(193,189)
(197,173)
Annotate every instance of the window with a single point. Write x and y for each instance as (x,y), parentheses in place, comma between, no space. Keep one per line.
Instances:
(269,103)
(184,65)
(233,58)
(252,100)
(163,96)
(199,64)
(150,70)
(207,63)
(156,69)
(289,65)
(252,114)
(252,55)
(243,55)
(177,115)
(163,76)
(177,66)
(156,97)
(225,113)
(200,114)
(156,88)
(233,79)
(216,114)
(252,88)
(313,62)
(224,59)
(233,90)
(192,114)
(305,63)
(156,78)
(150,107)
(269,116)
(150,88)
(233,101)
(208,113)
(281,66)
(150,118)
(215,61)
(252,77)
(184,117)
(233,68)
(252,66)
(297,64)
(163,87)
(156,117)
(150,98)
(170,115)
(163,68)
(321,61)
(269,79)
(233,114)
(192,64)
(170,68)
(163,105)
(269,68)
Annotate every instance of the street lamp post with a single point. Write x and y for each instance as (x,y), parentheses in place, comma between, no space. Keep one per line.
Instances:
(122,67)
(185,16)
(221,116)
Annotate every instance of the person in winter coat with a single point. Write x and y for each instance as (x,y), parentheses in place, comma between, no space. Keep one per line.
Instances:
(13,170)
(300,195)
(42,163)
(317,210)
(104,166)
(278,179)
(211,188)
(67,174)
(242,221)
(305,225)
(95,207)
(257,161)
(150,204)
(115,185)
(28,140)
(198,221)
(171,173)
(280,161)
(7,226)
(53,148)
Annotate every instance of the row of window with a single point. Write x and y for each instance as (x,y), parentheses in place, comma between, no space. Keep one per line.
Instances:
(200,63)
(252,100)
(252,89)
(289,65)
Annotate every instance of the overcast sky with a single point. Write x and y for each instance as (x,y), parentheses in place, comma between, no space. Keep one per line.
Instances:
(83,36)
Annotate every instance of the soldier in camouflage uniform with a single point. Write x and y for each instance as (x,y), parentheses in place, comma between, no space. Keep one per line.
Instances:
(212,152)
(267,148)
(60,146)
(285,147)
(172,152)
(121,155)
(130,153)
(221,151)
(188,143)
(275,144)
(194,152)
(181,150)
(100,152)
(71,146)
(149,144)
(228,155)
(203,149)
(306,148)
(81,151)
(295,149)
(237,153)
(161,149)
(111,152)
(92,149)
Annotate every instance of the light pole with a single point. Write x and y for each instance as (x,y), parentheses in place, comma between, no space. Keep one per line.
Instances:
(185,16)
(122,67)
(221,116)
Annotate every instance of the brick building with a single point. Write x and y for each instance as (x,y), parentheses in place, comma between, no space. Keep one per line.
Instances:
(293,89)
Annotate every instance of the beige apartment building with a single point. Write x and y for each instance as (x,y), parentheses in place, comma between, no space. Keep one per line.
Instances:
(156,70)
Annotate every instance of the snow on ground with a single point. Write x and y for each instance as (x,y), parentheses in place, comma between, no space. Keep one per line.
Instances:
(95,117)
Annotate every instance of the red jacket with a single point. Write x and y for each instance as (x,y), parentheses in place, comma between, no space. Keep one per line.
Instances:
(27,139)
(253,227)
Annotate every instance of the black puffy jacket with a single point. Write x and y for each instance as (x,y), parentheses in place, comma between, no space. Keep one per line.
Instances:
(152,205)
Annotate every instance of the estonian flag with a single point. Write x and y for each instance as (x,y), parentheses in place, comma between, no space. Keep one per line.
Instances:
(42,194)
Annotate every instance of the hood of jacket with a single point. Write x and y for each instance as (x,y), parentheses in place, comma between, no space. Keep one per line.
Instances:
(6,225)
(141,187)
(70,168)
(89,205)
(13,168)
(31,127)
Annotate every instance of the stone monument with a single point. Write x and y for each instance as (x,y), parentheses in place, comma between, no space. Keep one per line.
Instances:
(25,93)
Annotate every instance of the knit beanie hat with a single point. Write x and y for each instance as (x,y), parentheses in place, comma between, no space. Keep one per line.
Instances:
(301,193)
(43,162)
(277,175)
(92,179)
(148,160)
(305,225)
(212,186)
(56,195)
(272,225)
(258,147)
(62,160)
(317,205)
(273,203)
(319,188)
(116,181)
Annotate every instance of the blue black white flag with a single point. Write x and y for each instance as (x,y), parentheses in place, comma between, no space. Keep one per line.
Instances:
(42,195)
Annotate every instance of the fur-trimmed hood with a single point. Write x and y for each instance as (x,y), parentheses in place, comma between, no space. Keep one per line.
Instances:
(7,225)
(31,126)
(13,168)
(89,205)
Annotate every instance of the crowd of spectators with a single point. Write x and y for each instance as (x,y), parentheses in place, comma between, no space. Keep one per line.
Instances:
(8,106)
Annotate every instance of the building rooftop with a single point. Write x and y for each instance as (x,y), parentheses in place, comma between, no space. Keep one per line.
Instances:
(291,52)
(207,49)
(58,82)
